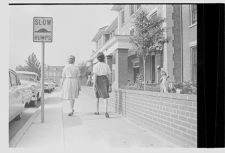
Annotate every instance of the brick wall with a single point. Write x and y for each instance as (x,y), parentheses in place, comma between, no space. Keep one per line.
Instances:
(173,116)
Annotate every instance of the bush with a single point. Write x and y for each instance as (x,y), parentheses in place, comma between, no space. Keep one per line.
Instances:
(187,87)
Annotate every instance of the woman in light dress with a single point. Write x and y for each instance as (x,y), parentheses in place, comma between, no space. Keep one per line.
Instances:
(70,83)
(101,83)
(163,80)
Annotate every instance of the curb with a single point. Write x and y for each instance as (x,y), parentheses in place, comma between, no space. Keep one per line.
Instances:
(16,139)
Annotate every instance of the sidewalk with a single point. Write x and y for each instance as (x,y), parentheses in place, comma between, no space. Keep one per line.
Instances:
(85,128)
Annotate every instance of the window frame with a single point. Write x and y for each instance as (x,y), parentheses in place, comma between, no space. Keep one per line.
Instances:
(10,74)
(191,24)
(131,6)
(193,61)
(122,14)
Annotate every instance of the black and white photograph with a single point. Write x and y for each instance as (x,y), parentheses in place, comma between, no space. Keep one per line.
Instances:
(115,75)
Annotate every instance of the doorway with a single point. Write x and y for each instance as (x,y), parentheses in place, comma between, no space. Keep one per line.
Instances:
(136,72)
(153,68)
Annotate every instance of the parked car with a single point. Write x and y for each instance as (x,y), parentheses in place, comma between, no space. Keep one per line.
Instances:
(31,79)
(52,85)
(48,87)
(19,95)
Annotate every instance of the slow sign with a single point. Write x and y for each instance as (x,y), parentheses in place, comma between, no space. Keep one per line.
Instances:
(42,29)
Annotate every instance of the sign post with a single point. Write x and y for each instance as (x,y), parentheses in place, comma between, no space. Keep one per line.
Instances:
(42,32)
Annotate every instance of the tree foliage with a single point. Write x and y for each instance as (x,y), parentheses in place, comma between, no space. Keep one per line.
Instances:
(148,36)
(32,65)
(83,69)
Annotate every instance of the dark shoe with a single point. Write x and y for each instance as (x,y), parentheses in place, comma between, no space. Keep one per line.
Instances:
(96,113)
(71,113)
(106,115)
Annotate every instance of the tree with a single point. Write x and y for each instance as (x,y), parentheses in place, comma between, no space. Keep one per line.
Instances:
(33,65)
(148,36)
(83,69)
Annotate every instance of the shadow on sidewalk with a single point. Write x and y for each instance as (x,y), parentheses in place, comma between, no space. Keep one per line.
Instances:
(53,100)
(81,116)
(71,121)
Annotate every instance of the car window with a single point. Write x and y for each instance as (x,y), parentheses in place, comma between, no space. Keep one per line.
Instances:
(9,80)
(27,77)
(13,79)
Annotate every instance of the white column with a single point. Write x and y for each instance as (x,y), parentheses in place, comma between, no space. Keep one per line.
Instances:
(165,34)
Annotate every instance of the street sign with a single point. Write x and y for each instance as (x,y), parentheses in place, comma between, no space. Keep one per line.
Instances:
(42,32)
(42,29)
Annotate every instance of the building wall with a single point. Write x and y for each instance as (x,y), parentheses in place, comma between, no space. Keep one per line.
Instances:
(177,43)
(189,37)
(125,28)
(166,11)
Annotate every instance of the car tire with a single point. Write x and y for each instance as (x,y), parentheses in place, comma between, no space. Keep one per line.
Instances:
(26,105)
(33,103)
(38,97)
(18,117)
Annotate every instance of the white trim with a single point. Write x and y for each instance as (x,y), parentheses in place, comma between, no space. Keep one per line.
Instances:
(192,25)
(190,18)
(193,43)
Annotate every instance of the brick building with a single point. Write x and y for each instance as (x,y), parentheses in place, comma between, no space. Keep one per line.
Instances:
(179,54)
(53,73)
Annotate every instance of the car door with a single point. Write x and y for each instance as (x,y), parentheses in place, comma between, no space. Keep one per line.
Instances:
(15,96)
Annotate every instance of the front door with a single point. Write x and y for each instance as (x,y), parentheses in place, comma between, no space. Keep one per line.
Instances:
(136,71)
(153,68)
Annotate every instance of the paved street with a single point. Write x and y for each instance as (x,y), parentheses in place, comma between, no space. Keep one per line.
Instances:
(85,128)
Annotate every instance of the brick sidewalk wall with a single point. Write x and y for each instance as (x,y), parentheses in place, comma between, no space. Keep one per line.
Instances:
(173,116)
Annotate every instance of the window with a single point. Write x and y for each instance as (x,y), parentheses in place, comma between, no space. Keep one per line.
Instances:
(194,63)
(107,37)
(132,32)
(99,43)
(193,14)
(122,17)
(131,9)
(138,6)
(13,79)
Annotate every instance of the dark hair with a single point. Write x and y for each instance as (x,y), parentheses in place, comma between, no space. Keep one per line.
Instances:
(101,57)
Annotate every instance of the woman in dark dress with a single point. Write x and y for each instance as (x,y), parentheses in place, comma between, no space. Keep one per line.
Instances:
(101,84)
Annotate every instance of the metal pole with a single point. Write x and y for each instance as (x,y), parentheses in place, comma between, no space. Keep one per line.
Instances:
(42,82)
